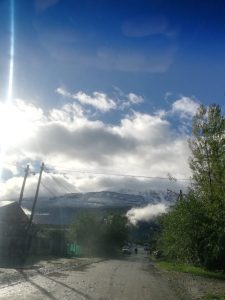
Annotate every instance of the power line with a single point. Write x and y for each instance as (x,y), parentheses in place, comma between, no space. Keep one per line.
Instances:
(65,171)
(117,174)
(60,183)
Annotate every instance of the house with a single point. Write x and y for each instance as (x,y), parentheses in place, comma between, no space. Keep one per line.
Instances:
(13,229)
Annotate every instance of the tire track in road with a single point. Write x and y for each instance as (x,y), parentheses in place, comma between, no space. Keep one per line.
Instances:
(23,274)
(111,282)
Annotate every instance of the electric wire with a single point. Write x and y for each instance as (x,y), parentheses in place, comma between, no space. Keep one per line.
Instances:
(62,185)
(67,171)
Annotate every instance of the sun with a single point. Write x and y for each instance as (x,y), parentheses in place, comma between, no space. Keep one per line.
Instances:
(15,125)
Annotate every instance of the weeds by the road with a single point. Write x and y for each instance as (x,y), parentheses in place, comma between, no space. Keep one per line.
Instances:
(178,267)
(213,297)
(197,282)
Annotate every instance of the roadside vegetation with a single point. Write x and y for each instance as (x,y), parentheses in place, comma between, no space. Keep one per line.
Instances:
(213,297)
(99,235)
(187,268)
(193,231)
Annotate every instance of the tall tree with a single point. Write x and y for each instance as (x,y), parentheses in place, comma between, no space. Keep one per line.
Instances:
(194,231)
(99,234)
(208,153)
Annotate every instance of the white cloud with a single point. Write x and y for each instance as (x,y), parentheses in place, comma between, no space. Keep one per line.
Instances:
(146,213)
(135,99)
(67,113)
(98,100)
(101,101)
(62,91)
(126,100)
(18,121)
(51,185)
(185,106)
(65,139)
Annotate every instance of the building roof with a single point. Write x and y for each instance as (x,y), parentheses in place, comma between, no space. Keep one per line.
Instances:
(10,211)
(5,203)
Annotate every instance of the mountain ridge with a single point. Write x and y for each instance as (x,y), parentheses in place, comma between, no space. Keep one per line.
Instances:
(61,209)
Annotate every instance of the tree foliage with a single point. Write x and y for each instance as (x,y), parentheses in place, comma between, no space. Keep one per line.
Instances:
(208,153)
(194,231)
(99,235)
(183,233)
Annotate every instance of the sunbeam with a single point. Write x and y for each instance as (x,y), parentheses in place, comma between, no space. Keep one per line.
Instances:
(9,91)
(12,50)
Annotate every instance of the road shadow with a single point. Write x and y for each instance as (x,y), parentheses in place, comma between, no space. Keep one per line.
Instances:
(45,293)
(86,296)
(20,262)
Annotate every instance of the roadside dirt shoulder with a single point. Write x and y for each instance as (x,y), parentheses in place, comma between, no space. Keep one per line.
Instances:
(191,286)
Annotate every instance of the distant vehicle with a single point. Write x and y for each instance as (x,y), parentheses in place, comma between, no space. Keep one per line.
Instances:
(126,250)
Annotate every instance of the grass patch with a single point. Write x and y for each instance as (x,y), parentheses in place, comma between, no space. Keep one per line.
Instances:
(213,297)
(185,268)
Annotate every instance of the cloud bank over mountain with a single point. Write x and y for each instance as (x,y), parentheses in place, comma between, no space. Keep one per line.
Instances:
(90,154)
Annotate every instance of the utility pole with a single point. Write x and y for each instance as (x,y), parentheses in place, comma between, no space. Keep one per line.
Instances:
(181,195)
(23,185)
(36,195)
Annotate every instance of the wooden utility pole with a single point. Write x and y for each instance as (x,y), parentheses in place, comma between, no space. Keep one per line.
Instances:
(23,185)
(181,195)
(36,195)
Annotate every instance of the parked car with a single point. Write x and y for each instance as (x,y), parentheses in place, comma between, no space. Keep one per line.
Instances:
(126,250)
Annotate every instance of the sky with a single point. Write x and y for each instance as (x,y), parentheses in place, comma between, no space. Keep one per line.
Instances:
(97,89)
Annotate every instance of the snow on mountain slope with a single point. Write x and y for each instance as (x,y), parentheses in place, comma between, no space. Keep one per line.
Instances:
(60,210)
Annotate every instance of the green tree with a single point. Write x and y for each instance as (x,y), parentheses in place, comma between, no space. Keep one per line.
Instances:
(194,230)
(208,167)
(98,234)
(86,230)
(208,153)
(184,231)
(116,232)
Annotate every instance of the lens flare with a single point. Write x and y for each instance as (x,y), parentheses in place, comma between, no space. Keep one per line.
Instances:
(12,50)
(10,74)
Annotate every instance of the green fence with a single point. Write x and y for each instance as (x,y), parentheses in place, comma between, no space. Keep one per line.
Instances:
(74,250)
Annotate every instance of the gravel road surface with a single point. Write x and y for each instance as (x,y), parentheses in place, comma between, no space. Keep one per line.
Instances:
(132,277)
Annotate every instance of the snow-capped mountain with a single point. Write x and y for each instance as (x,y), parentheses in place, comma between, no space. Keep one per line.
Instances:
(60,210)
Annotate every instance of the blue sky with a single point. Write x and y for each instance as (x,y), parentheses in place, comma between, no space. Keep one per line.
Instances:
(125,74)
(165,46)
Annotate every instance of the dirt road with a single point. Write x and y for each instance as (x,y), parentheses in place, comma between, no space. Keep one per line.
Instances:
(130,278)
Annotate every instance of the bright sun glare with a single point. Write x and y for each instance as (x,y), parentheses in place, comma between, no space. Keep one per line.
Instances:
(15,125)
(9,133)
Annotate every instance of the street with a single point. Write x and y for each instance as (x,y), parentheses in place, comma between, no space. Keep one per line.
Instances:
(132,277)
